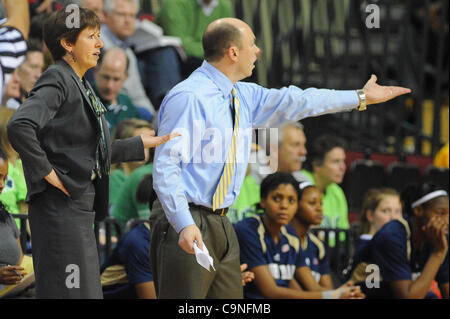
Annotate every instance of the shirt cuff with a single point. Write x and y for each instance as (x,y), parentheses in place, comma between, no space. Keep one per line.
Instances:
(350,98)
(181,220)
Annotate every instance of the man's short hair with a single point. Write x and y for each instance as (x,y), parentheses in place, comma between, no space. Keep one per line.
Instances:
(102,57)
(281,129)
(110,5)
(217,41)
(321,146)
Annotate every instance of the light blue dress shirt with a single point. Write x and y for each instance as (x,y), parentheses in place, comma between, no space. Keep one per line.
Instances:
(187,169)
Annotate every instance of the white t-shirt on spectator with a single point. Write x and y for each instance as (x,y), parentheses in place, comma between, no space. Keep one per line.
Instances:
(12,53)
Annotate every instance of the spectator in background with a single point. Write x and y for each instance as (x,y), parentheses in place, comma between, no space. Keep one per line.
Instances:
(126,206)
(36,33)
(15,190)
(11,255)
(287,154)
(14,30)
(188,19)
(127,273)
(410,253)
(120,17)
(441,158)
(28,72)
(120,172)
(271,247)
(11,90)
(315,274)
(326,169)
(110,74)
(157,69)
(380,206)
(96,6)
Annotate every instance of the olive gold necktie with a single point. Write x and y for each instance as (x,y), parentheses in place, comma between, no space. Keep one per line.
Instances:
(227,175)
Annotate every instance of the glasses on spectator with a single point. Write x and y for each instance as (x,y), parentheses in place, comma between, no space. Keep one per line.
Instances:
(124,15)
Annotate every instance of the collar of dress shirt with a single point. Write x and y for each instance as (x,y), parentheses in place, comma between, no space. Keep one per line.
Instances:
(115,40)
(208,8)
(220,80)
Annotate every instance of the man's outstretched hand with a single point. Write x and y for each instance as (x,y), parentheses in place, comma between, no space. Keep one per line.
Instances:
(378,94)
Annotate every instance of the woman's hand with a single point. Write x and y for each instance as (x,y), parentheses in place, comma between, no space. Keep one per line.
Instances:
(54,180)
(348,291)
(11,275)
(247,276)
(150,140)
(436,231)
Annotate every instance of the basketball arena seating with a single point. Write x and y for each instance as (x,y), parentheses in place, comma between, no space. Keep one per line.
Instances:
(400,174)
(362,175)
(365,171)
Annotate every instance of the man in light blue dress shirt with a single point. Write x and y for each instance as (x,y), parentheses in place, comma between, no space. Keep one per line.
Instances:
(187,170)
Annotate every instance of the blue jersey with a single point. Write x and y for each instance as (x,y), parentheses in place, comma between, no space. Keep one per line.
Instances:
(392,251)
(363,241)
(129,264)
(314,256)
(258,248)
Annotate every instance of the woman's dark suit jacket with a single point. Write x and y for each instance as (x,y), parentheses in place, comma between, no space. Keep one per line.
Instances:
(56,128)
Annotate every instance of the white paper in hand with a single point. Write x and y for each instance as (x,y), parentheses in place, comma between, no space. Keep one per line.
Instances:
(203,257)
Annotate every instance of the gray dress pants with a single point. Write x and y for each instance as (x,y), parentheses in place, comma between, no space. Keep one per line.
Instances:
(177,275)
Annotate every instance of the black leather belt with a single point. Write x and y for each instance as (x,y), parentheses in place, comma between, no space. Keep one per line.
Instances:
(220,211)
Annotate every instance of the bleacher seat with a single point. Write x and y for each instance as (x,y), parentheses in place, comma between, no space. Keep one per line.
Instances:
(438,176)
(420,161)
(361,176)
(399,175)
(340,256)
(385,159)
(351,156)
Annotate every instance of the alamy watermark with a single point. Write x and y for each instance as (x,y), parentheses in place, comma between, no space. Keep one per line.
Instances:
(211,146)
(373,19)
(73,277)
(373,278)
(73,19)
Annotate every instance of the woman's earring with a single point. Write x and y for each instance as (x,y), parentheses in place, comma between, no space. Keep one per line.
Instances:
(73,56)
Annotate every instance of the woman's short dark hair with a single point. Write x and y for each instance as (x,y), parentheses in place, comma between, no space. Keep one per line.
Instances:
(320,147)
(272,182)
(56,28)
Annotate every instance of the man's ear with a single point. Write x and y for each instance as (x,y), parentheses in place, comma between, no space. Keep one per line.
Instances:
(233,53)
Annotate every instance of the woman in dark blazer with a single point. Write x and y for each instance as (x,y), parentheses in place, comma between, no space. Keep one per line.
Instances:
(62,138)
